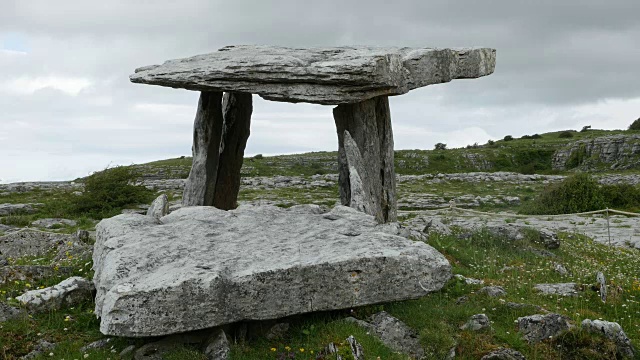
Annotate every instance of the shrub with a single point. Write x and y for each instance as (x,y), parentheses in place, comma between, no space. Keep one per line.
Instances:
(577,193)
(565,134)
(586,128)
(635,125)
(508,138)
(534,136)
(440,146)
(107,192)
(491,142)
(258,157)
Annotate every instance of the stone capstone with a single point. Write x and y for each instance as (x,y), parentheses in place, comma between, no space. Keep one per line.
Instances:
(202,267)
(327,76)
(69,292)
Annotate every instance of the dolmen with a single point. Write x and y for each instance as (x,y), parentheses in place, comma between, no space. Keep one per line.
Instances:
(213,263)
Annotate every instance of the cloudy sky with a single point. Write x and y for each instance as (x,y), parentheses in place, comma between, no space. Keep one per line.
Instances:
(67,107)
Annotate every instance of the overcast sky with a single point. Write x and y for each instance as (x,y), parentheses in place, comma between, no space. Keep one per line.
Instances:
(67,107)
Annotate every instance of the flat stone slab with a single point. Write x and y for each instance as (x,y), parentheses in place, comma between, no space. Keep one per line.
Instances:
(201,267)
(334,75)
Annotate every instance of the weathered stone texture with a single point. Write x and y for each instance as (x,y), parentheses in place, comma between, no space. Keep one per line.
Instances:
(204,267)
(327,76)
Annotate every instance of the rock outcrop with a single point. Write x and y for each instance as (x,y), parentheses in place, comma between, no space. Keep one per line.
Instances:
(616,151)
(327,76)
(612,331)
(69,292)
(203,267)
(536,328)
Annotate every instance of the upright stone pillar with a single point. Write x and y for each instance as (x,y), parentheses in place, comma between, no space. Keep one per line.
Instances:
(207,132)
(236,109)
(365,157)
(220,134)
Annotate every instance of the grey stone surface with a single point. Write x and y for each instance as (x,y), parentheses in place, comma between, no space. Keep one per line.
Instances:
(29,242)
(40,349)
(366,158)
(536,328)
(159,207)
(98,344)
(612,331)
(186,273)
(620,151)
(69,292)
(469,281)
(560,269)
(51,223)
(356,348)
(504,354)
(493,291)
(83,235)
(327,76)
(477,322)
(32,272)
(561,289)
(395,334)
(216,347)
(16,209)
(8,312)
(199,188)
(602,284)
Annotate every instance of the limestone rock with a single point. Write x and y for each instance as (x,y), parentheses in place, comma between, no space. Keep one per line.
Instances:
(469,281)
(612,331)
(536,328)
(15,209)
(549,239)
(32,272)
(52,223)
(39,243)
(9,312)
(561,289)
(69,292)
(327,76)
(204,267)
(83,235)
(159,207)
(602,283)
(216,347)
(356,349)
(504,354)
(477,322)
(560,269)
(493,291)
(396,335)
(42,347)
(98,344)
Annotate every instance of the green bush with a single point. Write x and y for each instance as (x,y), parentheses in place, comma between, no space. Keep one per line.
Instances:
(107,192)
(565,134)
(508,138)
(577,193)
(635,125)
(621,196)
(440,146)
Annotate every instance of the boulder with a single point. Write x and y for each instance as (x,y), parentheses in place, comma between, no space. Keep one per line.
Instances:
(159,207)
(612,331)
(15,209)
(327,76)
(536,328)
(69,292)
(493,291)
(40,243)
(203,267)
(561,289)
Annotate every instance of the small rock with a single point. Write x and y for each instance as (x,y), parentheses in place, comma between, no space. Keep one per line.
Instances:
(82,235)
(51,223)
(612,331)
(99,344)
(15,209)
(493,291)
(560,269)
(216,347)
(154,351)
(434,225)
(549,239)
(277,331)
(536,328)
(561,289)
(41,347)
(518,306)
(159,207)
(462,299)
(541,252)
(504,354)
(356,348)
(69,292)
(396,335)
(469,281)
(9,312)
(477,322)
(127,351)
